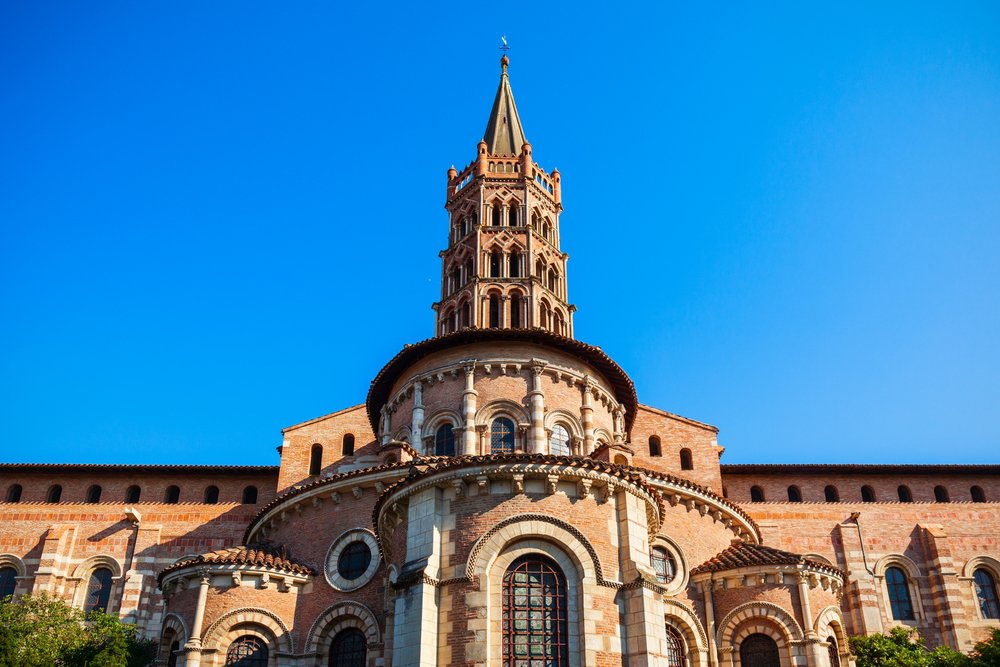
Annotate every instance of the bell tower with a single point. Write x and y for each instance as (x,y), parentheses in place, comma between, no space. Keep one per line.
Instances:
(503,267)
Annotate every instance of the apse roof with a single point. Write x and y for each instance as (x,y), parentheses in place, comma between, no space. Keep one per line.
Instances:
(744,554)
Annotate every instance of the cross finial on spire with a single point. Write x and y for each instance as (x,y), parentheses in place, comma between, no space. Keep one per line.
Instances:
(505,47)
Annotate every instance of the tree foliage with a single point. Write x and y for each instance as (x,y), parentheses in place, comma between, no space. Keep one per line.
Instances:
(903,648)
(43,631)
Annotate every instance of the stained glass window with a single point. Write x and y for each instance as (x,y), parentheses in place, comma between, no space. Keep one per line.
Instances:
(502,436)
(559,442)
(444,441)
(349,649)
(534,614)
(247,651)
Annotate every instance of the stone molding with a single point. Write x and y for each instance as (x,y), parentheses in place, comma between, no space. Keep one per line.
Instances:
(339,616)
(763,610)
(249,616)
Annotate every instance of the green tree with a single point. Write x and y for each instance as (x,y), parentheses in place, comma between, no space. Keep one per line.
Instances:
(987,653)
(43,631)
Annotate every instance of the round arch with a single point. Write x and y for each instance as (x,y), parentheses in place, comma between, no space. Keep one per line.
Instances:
(10,560)
(502,408)
(339,617)
(830,622)
(683,619)
(172,630)
(82,572)
(565,417)
(760,617)
(248,620)
(912,583)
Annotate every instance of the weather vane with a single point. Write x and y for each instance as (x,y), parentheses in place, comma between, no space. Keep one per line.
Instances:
(505,47)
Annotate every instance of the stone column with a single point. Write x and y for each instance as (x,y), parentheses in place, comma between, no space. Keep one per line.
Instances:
(469,410)
(386,421)
(815,655)
(587,416)
(537,401)
(415,621)
(644,631)
(417,417)
(713,649)
(193,645)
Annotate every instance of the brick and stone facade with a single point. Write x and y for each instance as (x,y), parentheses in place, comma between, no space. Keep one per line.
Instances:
(403,531)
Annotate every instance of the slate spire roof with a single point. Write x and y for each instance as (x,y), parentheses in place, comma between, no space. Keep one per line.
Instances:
(504,135)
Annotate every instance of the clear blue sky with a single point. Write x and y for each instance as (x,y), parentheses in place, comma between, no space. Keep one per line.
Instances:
(219,219)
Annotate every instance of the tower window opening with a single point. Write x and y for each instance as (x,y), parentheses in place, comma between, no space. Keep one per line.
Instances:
(831,494)
(560,323)
(348,447)
(941,494)
(316,459)
(552,281)
(494,311)
(867,494)
(540,269)
(496,260)
(512,215)
(654,446)
(172,495)
(502,436)
(978,496)
(515,311)
(469,270)
(497,218)
(464,311)
(559,441)
(514,269)
(687,463)
(794,494)
(756,494)
(904,494)
(444,440)
(94,494)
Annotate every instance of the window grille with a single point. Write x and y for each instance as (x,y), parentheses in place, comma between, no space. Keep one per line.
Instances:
(349,649)
(247,651)
(502,436)
(534,614)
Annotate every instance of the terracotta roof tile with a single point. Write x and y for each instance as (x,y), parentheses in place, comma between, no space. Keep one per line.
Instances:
(273,557)
(858,469)
(745,554)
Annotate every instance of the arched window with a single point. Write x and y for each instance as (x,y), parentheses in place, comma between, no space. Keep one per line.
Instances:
(98,590)
(977,494)
(540,269)
(495,260)
(132,494)
(759,650)
(464,312)
(502,436)
(559,441)
(534,612)
(941,494)
(14,493)
(515,311)
(514,265)
(497,214)
(348,447)
(833,651)
(654,446)
(468,270)
(904,494)
(686,462)
(494,311)
(552,281)
(349,649)
(94,494)
(444,440)
(512,215)
(794,495)
(172,495)
(250,495)
(867,494)
(986,593)
(211,494)
(560,325)
(7,582)
(54,494)
(831,494)
(899,594)
(247,651)
(316,459)
(663,564)
(172,655)
(675,648)
(756,494)
(546,315)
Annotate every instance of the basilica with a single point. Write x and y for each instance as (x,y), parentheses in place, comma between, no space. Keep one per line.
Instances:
(502,498)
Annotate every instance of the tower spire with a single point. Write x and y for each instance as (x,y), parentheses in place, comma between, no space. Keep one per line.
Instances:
(504,135)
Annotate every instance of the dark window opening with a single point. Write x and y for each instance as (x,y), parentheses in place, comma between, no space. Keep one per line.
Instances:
(904,494)
(502,436)
(515,311)
(867,494)
(654,446)
(316,459)
(686,462)
(54,494)
(98,590)
(794,494)
(977,494)
(495,259)
(444,441)
(831,494)
(497,214)
(247,651)
(349,649)
(833,651)
(93,494)
(349,444)
(675,648)
(172,495)
(250,495)
(494,311)
(759,650)
(172,654)
(14,493)
(8,583)
(512,215)
(756,494)
(941,494)
(211,495)
(132,494)
(354,560)
(986,593)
